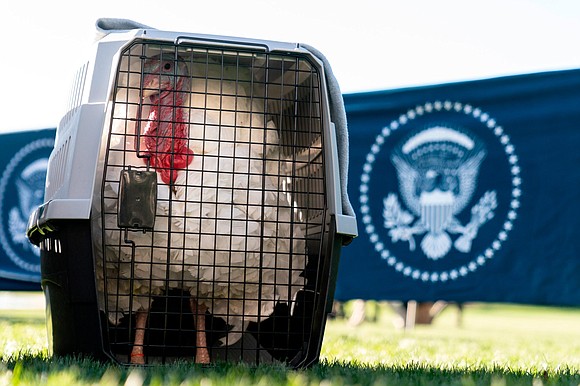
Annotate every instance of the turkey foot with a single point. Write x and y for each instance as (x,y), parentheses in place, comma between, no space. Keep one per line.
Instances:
(201,352)
(137,355)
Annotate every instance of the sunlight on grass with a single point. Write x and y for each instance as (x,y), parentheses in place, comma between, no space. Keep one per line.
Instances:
(23,331)
(498,345)
(489,337)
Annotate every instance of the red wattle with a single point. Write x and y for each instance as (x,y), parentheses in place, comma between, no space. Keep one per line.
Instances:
(165,138)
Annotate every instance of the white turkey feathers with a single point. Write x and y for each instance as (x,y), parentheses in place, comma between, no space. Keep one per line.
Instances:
(225,230)
(241,263)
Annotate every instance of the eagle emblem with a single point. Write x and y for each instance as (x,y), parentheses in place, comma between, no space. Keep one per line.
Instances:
(22,186)
(437,170)
(30,188)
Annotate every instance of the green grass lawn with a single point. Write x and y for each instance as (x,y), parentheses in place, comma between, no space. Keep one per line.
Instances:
(494,345)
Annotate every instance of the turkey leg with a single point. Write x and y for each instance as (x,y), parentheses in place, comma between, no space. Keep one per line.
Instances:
(137,355)
(201,352)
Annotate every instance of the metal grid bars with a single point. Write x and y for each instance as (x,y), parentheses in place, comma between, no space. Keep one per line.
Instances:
(212,205)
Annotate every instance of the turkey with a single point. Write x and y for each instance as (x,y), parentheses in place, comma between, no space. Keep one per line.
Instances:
(137,261)
(224,231)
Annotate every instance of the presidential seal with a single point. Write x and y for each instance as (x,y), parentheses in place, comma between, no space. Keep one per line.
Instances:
(21,191)
(437,210)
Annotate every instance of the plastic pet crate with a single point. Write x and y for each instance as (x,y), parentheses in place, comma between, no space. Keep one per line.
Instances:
(195,202)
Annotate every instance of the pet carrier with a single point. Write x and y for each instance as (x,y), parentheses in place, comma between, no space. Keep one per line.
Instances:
(195,201)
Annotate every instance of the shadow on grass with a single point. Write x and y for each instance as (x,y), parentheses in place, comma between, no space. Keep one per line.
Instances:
(34,369)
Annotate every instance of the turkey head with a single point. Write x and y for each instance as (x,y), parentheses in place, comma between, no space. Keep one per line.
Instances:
(165,85)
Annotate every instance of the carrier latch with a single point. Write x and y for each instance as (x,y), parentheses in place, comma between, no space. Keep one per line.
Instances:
(137,199)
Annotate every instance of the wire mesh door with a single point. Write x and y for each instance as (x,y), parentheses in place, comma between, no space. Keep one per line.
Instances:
(212,205)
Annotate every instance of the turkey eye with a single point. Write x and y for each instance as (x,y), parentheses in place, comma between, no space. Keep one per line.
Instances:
(167,66)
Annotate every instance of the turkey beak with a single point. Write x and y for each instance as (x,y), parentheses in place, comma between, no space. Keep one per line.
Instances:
(151,86)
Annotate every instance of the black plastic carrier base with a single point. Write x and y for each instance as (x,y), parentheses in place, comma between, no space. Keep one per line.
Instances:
(67,279)
(76,327)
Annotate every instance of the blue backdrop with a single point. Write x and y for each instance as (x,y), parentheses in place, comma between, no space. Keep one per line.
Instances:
(466,192)
(463,192)
(23,162)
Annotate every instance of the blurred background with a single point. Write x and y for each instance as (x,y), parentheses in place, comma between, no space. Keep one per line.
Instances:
(372,45)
